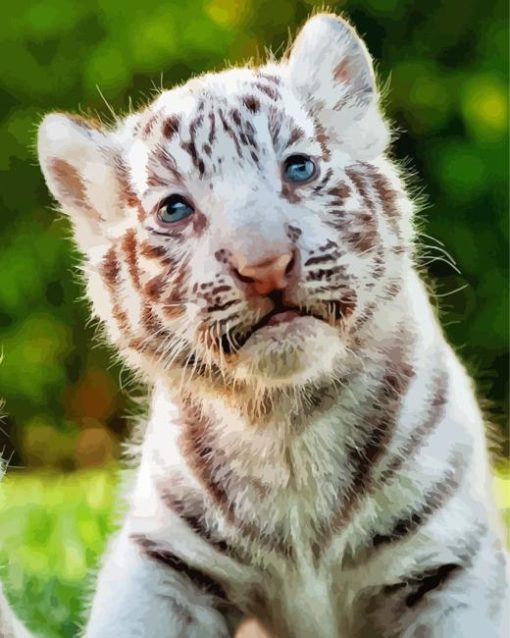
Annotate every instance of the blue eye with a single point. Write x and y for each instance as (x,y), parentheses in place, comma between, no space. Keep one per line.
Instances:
(299,168)
(173,209)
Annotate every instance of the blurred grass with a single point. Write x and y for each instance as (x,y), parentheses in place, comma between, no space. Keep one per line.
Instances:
(54,530)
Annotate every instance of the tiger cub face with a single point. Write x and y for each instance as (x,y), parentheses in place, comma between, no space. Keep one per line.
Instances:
(243,226)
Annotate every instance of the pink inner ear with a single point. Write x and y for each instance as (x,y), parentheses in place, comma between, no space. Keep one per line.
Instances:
(71,188)
(70,185)
(342,71)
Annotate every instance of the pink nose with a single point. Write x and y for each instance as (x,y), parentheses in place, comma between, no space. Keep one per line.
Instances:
(267,275)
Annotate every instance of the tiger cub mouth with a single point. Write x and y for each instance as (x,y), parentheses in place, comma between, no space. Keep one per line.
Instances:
(280,314)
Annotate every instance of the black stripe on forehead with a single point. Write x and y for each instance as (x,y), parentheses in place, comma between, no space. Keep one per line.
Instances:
(252,103)
(227,128)
(161,159)
(191,147)
(171,126)
(231,115)
(270,77)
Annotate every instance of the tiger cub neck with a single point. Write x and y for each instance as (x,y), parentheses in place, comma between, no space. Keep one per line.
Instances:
(266,430)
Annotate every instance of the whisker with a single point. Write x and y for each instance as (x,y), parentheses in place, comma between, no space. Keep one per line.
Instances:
(422,234)
(433,259)
(451,292)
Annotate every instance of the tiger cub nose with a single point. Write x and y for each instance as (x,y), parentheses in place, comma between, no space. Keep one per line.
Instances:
(265,276)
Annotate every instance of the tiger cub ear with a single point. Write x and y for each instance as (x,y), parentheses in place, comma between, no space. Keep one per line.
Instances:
(83,168)
(330,69)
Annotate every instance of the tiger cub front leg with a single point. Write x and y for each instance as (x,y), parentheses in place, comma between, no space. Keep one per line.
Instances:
(463,599)
(145,593)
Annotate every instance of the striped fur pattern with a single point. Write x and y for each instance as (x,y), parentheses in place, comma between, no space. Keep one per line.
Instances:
(327,475)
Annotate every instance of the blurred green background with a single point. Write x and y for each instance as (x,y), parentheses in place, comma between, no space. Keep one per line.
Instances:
(446,66)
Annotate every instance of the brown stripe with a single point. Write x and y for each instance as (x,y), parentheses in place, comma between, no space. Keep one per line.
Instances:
(212,130)
(110,271)
(71,186)
(296,134)
(161,157)
(381,419)
(155,287)
(152,252)
(270,91)
(178,282)
(235,114)
(433,500)
(358,228)
(221,288)
(290,193)
(204,463)
(129,246)
(340,192)
(194,519)
(127,195)
(358,180)
(223,306)
(379,268)
(228,129)
(322,138)
(467,548)
(191,149)
(275,124)
(365,316)
(120,317)
(423,583)
(154,180)
(429,580)
(151,321)
(198,454)
(110,268)
(149,124)
(323,183)
(270,77)
(200,579)
(386,194)
(324,273)
(425,429)
(171,126)
(385,412)
(321,259)
(250,135)
(251,103)
(199,220)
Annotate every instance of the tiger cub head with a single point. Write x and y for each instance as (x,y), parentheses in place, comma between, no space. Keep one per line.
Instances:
(243,226)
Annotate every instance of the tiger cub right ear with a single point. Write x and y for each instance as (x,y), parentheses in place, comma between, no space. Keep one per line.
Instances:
(82,165)
(330,69)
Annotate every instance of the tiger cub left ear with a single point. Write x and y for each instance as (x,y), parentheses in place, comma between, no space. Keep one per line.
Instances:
(330,69)
(84,169)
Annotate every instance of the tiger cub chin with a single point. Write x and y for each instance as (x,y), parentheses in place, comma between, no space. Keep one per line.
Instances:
(314,456)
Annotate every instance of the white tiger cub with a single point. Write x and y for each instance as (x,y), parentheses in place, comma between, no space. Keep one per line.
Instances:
(314,454)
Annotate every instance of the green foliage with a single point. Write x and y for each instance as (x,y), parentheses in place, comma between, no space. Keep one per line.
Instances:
(446,64)
(53,531)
